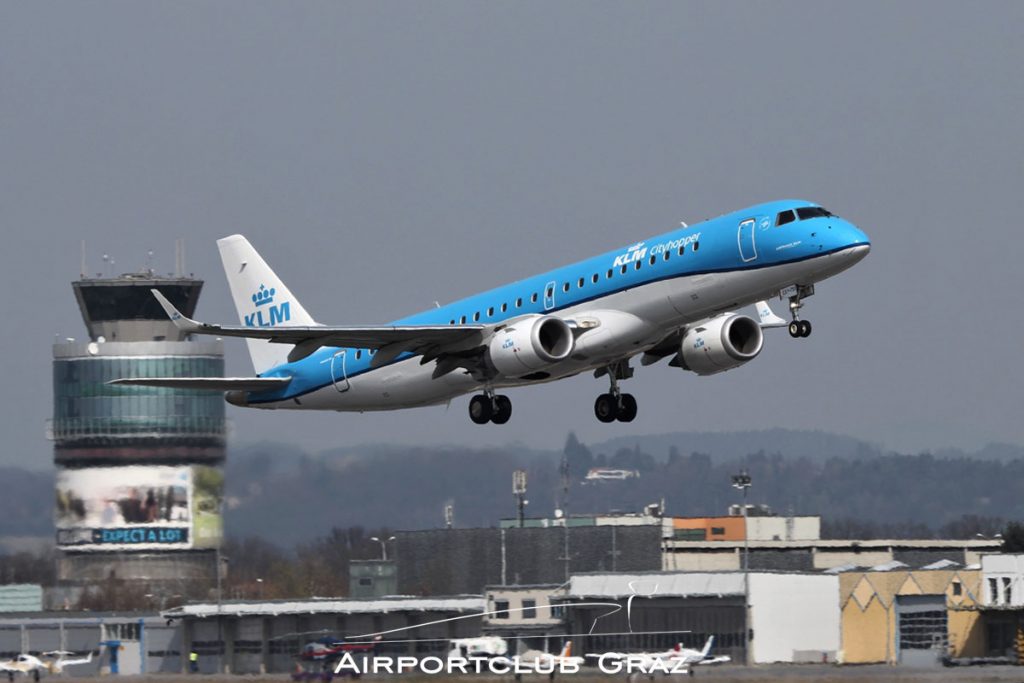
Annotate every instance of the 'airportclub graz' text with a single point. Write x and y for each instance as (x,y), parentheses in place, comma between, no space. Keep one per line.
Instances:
(609,663)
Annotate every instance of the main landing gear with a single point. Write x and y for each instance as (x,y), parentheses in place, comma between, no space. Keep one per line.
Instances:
(798,328)
(616,405)
(490,407)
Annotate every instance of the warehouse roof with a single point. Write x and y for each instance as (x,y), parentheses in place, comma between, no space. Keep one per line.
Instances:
(460,603)
(681,584)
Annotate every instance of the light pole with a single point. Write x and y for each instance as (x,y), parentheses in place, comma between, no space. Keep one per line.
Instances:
(742,481)
(383,546)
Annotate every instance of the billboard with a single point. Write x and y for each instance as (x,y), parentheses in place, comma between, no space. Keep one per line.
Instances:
(139,508)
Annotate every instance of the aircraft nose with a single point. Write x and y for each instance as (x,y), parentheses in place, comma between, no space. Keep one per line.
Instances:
(855,243)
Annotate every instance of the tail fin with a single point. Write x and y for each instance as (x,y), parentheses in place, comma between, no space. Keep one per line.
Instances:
(261,299)
(567,649)
(707,647)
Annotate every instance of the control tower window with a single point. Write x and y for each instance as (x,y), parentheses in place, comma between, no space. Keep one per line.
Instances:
(812,212)
(785,217)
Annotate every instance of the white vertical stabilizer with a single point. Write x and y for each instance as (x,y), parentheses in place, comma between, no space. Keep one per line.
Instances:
(261,300)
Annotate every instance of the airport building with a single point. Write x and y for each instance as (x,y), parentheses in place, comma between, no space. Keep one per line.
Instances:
(264,637)
(896,614)
(139,469)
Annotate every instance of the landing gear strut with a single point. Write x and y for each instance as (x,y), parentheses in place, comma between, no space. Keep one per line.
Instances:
(796,293)
(616,405)
(490,407)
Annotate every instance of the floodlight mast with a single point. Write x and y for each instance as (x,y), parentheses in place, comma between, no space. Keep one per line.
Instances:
(383,546)
(743,482)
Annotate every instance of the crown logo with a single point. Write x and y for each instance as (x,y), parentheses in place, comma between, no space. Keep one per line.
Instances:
(264,296)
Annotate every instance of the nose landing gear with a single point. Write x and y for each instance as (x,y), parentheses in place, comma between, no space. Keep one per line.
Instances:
(796,293)
(490,407)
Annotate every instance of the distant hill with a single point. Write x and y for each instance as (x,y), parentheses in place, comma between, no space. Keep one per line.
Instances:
(845,480)
(282,494)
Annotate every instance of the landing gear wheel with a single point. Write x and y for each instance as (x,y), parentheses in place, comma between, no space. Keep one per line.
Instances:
(480,409)
(502,410)
(627,408)
(794,329)
(805,328)
(606,408)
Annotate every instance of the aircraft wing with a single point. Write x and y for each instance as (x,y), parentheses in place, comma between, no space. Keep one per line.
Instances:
(73,662)
(213,383)
(394,339)
(14,667)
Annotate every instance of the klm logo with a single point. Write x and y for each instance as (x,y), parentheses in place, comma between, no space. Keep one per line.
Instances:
(635,253)
(267,314)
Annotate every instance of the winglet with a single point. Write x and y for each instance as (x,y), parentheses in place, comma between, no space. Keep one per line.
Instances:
(180,321)
(767,317)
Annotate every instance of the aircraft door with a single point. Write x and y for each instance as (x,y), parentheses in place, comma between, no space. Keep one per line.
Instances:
(339,375)
(549,295)
(745,238)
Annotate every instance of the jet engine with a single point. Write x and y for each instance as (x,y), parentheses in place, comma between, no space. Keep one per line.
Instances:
(530,344)
(720,344)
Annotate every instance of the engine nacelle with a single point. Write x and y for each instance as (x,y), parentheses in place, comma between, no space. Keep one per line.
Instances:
(720,344)
(531,344)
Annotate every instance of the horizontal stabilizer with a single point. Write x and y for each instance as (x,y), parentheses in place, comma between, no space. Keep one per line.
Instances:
(208,383)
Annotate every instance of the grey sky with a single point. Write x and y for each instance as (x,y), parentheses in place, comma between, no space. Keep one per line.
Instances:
(386,155)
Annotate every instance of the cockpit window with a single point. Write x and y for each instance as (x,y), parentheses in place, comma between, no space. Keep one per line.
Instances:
(785,217)
(812,212)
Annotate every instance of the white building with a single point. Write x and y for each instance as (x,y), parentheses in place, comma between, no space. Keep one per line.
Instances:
(792,617)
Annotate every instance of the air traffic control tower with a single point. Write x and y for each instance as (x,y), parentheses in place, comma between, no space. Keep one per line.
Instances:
(139,470)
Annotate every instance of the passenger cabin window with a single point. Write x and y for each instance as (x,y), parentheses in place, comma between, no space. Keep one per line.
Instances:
(451,322)
(696,246)
(476,316)
(610,273)
(624,269)
(667,254)
(519,302)
(595,278)
(565,287)
(682,250)
(533,299)
(462,320)
(504,307)
(638,264)
(654,259)
(580,284)
(812,212)
(784,217)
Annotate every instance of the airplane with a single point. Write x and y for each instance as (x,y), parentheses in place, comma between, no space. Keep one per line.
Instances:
(677,660)
(671,296)
(30,665)
(316,660)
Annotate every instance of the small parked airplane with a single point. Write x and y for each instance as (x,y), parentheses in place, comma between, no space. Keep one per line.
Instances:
(30,665)
(677,660)
(671,296)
